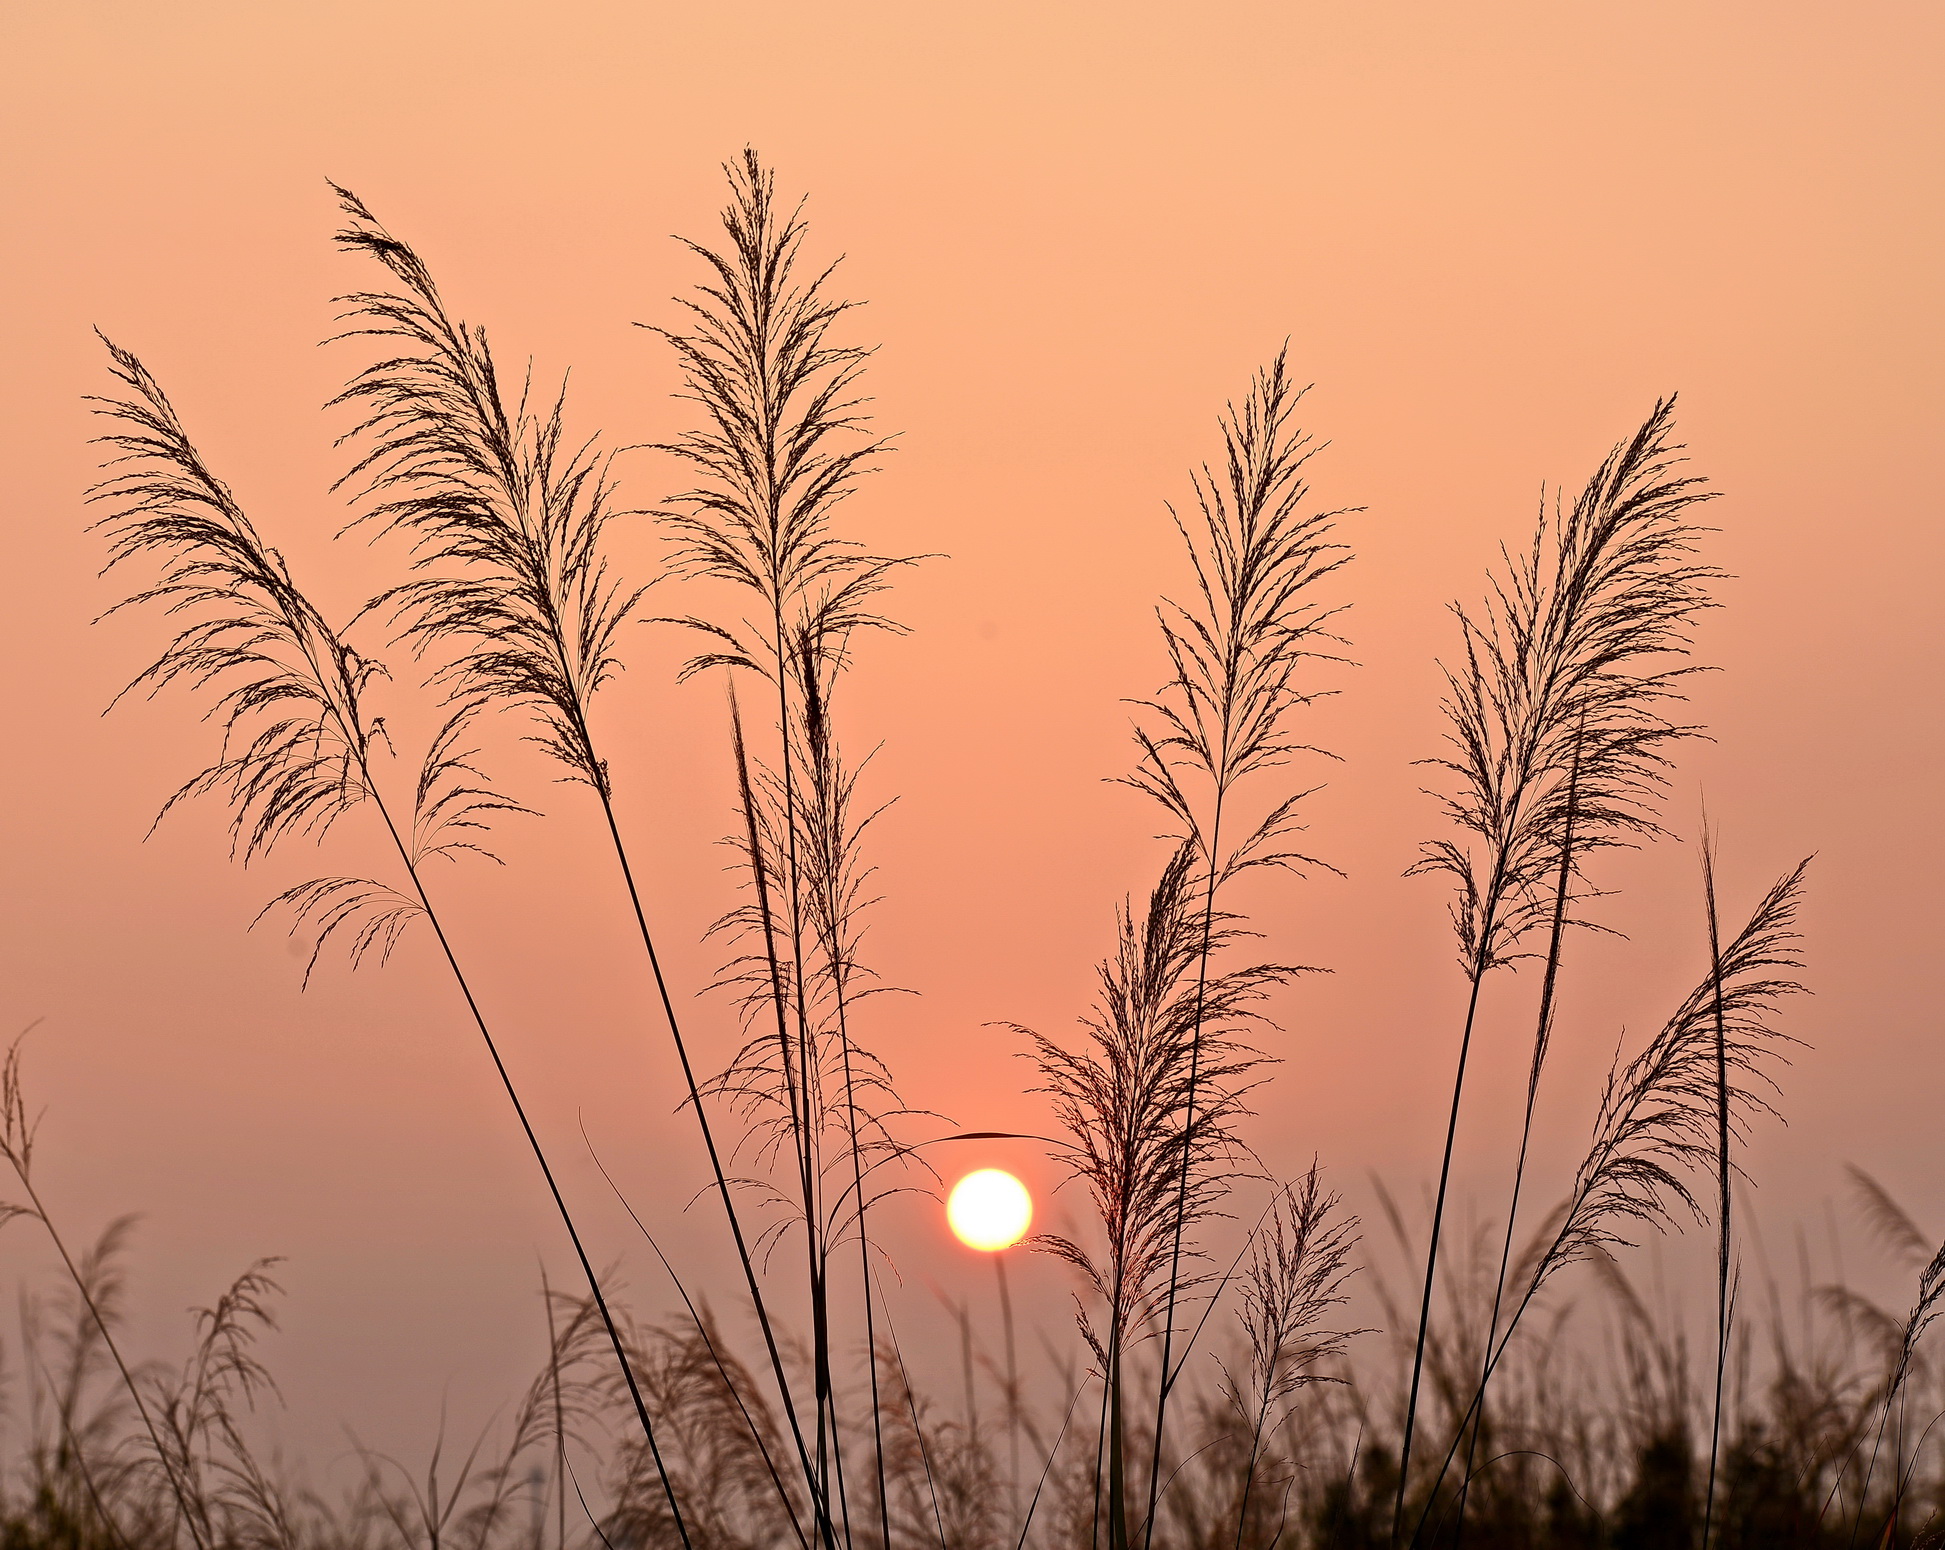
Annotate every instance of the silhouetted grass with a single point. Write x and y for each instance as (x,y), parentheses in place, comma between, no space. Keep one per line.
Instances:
(1271,1425)
(1598,1440)
(782,444)
(1559,740)
(290,691)
(1235,653)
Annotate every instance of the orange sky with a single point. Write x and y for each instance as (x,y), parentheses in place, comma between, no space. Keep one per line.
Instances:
(1492,233)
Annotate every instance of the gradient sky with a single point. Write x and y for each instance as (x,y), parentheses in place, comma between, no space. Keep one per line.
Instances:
(1492,233)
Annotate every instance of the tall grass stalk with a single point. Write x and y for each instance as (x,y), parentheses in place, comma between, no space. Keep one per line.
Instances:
(1542,1039)
(1121,1099)
(1724,1293)
(297,744)
(1657,1121)
(560,1413)
(825,1100)
(1234,653)
(783,442)
(507,522)
(1568,667)
(902,1382)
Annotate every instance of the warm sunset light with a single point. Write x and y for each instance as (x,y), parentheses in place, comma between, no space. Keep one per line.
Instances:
(1252,612)
(989,1209)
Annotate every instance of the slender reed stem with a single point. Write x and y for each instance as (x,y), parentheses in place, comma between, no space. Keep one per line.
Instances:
(1188,1124)
(743,1255)
(1046,1469)
(72,1444)
(1431,1253)
(815,1259)
(1257,1424)
(560,1415)
(1117,1452)
(795,1092)
(864,1266)
(1723,1308)
(709,1344)
(1112,1429)
(547,1172)
(1542,1037)
(918,1429)
(1100,1460)
(1012,1389)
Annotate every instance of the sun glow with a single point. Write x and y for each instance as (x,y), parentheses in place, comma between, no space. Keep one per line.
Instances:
(989,1209)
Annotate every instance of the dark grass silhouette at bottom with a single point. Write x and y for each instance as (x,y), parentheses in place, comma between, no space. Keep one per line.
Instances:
(1579,1460)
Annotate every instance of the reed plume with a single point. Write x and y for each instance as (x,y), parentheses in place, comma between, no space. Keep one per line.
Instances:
(1122,1102)
(782,444)
(1658,1115)
(1558,734)
(197,1417)
(297,742)
(510,520)
(1930,1303)
(1656,1125)
(1297,1272)
(784,440)
(508,514)
(1257,550)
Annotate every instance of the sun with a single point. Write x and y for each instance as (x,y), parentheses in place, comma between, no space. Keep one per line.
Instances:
(989,1209)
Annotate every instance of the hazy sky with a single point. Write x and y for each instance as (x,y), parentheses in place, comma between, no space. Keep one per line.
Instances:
(1492,234)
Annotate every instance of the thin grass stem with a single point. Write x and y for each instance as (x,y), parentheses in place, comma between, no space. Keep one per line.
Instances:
(1723,1169)
(1542,1038)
